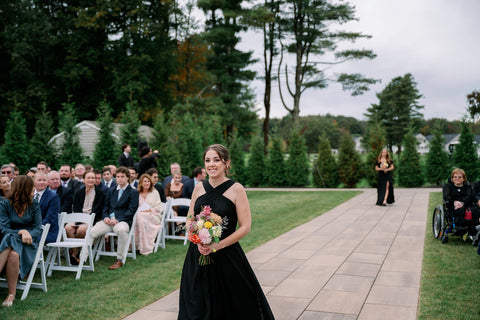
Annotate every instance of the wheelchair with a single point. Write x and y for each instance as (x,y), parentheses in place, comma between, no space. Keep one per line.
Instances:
(444,222)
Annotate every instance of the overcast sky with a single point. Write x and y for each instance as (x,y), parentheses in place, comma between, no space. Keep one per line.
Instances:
(436,41)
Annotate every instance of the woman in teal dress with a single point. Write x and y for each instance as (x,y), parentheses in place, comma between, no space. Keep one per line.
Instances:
(227,288)
(20,229)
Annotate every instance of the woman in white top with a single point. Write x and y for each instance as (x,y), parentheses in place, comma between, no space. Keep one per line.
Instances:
(149,213)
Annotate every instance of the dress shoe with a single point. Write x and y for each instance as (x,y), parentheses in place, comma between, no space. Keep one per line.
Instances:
(8,301)
(117,265)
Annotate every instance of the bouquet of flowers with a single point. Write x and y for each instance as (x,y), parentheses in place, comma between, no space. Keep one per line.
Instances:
(206,228)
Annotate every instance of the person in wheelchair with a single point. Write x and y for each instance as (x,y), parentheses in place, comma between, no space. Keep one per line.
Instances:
(459,198)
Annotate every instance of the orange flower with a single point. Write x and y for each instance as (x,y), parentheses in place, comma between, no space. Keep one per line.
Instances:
(193,237)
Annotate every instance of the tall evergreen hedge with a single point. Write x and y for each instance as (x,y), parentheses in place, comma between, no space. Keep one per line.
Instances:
(325,168)
(410,172)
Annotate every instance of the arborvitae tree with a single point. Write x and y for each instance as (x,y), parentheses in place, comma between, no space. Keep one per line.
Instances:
(297,166)
(237,163)
(106,150)
(41,149)
(325,169)
(213,130)
(275,164)
(256,163)
(16,148)
(438,164)
(374,141)
(465,153)
(410,173)
(129,132)
(349,162)
(189,145)
(161,134)
(70,150)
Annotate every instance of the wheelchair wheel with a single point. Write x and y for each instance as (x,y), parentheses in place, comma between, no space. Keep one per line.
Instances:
(438,225)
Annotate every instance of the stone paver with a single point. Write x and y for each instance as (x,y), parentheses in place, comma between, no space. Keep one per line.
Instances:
(357,261)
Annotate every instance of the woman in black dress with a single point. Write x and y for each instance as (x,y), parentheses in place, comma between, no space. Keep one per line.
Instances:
(20,226)
(227,288)
(384,167)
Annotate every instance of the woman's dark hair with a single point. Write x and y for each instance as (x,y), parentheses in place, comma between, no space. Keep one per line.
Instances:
(222,152)
(145,150)
(20,195)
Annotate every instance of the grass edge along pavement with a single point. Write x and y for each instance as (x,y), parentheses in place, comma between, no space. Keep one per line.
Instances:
(449,287)
(114,294)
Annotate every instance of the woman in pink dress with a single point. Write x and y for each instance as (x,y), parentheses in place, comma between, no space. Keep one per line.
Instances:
(149,214)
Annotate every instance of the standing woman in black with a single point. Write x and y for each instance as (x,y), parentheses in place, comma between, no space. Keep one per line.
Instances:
(384,167)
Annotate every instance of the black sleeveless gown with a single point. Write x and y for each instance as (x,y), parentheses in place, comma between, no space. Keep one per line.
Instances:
(226,289)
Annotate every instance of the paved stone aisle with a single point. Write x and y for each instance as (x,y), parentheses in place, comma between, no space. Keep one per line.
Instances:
(357,261)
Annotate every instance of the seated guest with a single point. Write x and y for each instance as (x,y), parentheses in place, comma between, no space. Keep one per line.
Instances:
(108,181)
(199,175)
(4,186)
(118,210)
(175,190)
(87,199)
(459,195)
(148,215)
(67,178)
(65,194)
(152,172)
(20,225)
(31,172)
(49,204)
(133,177)
(173,168)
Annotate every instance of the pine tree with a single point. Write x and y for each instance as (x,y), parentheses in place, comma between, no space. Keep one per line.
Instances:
(349,162)
(465,153)
(297,166)
(410,172)
(189,145)
(41,149)
(106,148)
(256,163)
(275,164)
(374,141)
(237,164)
(129,132)
(438,164)
(16,148)
(70,149)
(325,169)
(161,134)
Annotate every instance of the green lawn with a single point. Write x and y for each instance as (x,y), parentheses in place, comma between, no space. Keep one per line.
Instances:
(450,276)
(106,294)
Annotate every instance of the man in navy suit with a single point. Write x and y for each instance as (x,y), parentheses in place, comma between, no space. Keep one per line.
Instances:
(109,183)
(125,159)
(49,204)
(120,206)
(199,174)
(65,194)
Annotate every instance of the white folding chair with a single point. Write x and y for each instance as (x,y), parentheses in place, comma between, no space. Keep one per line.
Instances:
(130,251)
(160,240)
(38,262)
(54,259)
(171,220)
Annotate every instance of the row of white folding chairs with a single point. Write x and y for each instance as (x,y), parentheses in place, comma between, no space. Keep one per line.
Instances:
(39,263)
(170,221)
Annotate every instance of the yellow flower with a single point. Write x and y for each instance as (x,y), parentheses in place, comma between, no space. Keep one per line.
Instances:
(208,225)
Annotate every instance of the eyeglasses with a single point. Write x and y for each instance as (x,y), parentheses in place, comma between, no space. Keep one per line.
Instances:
(6,172)
(457,177)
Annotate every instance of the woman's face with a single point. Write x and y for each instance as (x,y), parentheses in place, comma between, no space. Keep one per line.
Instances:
(214,165)
(89,180)
(5,184)
(146,184)
(384,153)
(458,179)
(177,178)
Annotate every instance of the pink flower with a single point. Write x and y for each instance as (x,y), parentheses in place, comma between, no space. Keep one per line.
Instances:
(205,236)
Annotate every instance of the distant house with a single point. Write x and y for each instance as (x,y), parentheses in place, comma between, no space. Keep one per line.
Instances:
(89,131)
(358,145)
